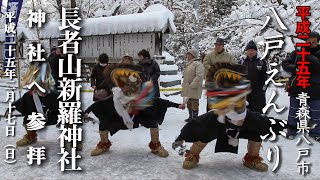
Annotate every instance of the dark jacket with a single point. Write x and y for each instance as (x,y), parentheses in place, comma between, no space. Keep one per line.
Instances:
(25,105)
(290,65)
(97,76)
(257,75)
(97,79)
(53,60)
(151,71)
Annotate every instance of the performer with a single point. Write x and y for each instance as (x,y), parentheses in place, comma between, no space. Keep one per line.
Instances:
(131,104)
(40,99)
(228,120)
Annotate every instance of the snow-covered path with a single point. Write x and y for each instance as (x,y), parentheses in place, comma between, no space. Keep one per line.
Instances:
(130,158)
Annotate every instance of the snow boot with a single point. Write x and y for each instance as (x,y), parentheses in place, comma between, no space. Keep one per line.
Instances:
(192,155)
(29,138)
(155,144)
(192,114)
(252,159)
(103,145)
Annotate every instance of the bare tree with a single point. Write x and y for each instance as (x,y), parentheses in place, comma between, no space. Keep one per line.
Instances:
(60,8)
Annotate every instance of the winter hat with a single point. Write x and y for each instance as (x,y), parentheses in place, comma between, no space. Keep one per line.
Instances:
(251,45)
(193,52)
(219,41)
(314,34)
(127,56)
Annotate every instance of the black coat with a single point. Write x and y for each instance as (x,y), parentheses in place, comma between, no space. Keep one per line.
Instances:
(25,105)
(151,71)
(98,79)
(109,119)
(97,76)
(53,60)
(206,128)
(257,75)
(290,65)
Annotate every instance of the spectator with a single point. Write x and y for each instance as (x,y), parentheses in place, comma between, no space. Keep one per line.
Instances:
(257,75)
(290,65)
(151,70)
(100,90)
(192,83)
(217,55)
(126,59)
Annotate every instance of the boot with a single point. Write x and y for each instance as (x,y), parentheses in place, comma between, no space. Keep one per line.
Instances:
(192,155)
(155,144)
(252,159)
(29,138)
(103,145)
(190,116)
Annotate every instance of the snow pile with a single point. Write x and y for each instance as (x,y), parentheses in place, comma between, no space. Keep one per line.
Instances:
(170,78)
(102,13)
(165,67)
(168,56)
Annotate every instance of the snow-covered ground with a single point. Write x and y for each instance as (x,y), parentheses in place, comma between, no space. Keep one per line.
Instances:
(130,158)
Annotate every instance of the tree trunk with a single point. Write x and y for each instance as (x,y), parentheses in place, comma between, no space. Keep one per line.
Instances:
(60,8)
(73,3)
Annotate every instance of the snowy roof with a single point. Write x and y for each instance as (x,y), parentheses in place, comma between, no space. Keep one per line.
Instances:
(156,18)
(21,32)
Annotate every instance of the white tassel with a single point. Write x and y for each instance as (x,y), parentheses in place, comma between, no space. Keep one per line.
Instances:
(127,120)
(222,119)
(234,116)
(43,71)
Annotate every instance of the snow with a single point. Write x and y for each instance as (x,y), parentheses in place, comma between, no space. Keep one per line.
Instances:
(165,67)
(156,7)
(130,157)
(21,32)
(102,13)
(152,21)
(170,78)
(106,13)
(168,56)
